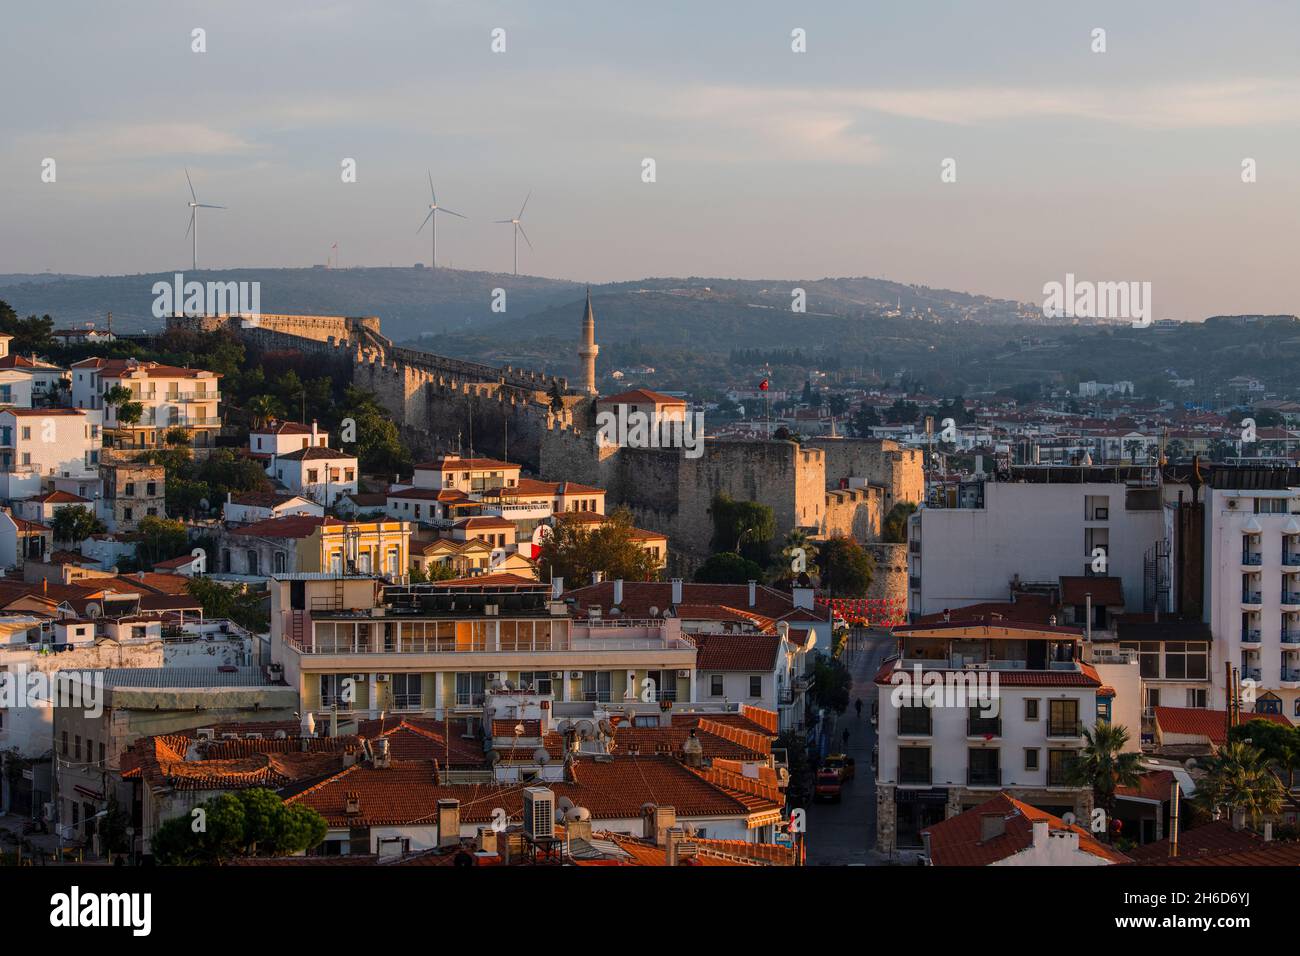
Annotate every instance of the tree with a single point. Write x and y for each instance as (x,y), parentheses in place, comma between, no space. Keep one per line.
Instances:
(1280,745)
(1103,765)
(75,523)
(160,540)
(894,528)
(379,446)
(263,408)
(831,684)
(1239,778)
(176,437)
(727,567)
(31,334)
(798,556)
(252,822)
(557,396)
(846,569)
(1133,446)
(235,602)
(573,552)
(745,527)
(865,419)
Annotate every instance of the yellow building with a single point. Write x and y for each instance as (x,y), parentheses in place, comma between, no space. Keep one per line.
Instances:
(311,543)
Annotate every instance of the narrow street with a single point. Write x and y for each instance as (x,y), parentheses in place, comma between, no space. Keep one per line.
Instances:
(844,833)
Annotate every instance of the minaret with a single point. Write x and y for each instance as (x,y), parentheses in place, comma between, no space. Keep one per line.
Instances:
(589,349)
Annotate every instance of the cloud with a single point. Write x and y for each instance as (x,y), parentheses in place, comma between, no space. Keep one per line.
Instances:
(148,141)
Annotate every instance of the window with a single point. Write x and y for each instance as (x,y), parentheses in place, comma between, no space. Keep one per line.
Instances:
(1063,718)
(252,562)
(1197,698)
(755,685)
(470,687)
(595,685)
(76,750)
(280,562)
(1031,758)
(1187,660)
(312,474)
(1031,708)
(1268,705)
(1059,765)
(539,681)
(914,720)
(982,768)
(64,748)
(151,489)
(715,685)
(914,765)
(129,490)
(407,691)
(27,432)
(1148,657)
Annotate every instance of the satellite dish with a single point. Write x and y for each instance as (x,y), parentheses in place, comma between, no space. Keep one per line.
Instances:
(564,804)
(578,813)
(493,757)
(646,807)
(563,727)
(204,504)
(586,729)
(542,755)
(1190,763)
(606,728)
(654,610)
(519,729)
(93,610)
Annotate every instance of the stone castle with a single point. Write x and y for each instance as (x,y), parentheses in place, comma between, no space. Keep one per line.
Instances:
(443,405)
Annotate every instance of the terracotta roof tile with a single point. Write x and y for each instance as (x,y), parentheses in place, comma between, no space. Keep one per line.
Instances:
(957,841)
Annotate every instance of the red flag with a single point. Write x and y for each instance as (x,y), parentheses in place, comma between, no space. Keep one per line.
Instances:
(762,386)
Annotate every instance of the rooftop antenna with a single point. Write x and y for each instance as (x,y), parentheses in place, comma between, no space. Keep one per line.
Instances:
(432,221)
(519,229)
(195,206)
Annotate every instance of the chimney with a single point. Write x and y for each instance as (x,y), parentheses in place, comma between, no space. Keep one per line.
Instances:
(753,593)
(693,750)
(802,597)
(229,496)
(992,826)
(382,759)
(557,588)
(448,822)
(597,577)
(578,829)
(314,432)
(1041,833)
(658,821)
(677,590)
(487,840)
(618,590)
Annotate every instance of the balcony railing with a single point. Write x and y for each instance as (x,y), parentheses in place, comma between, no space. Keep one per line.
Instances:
(1065,728)
(1291,597)
(984,777)
(1252,559)
(470,700)
(1291,558)
(1290,674)
(408,701)
(977,726)
(1252,673)
(1250,597)
(1290,637)
(1250,637)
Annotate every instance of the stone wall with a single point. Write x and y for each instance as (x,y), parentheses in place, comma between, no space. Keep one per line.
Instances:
(890,580)
(881,462)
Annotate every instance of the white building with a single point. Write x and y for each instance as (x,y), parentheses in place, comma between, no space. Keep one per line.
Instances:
(1006,712)
(1252,590)
(250,506)
(38,444)
(1033,531)
(280,438)
(318,473)
(172,397)
(469,475)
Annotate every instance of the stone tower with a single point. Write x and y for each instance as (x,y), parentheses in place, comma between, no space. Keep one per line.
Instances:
(589,349)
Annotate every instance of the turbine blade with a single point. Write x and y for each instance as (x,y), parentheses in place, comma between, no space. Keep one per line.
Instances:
(445,209)
(431,192)
(187,179)
(191,225)
(503,220)
(423,224)
(204,205)
(525,205)
(524,234)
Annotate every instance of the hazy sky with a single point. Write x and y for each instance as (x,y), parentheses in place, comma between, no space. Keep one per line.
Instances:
(1123,165)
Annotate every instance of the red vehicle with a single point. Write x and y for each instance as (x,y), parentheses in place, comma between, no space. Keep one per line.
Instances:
(842,764)
(829,786)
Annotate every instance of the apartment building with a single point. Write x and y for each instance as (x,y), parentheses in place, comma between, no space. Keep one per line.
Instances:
(361,645)
(172,398)
(1039,525)
(30,382)
(470,475)
(1252,584)
(250,506)
(280,438)
(131,491)
(38,445)
(314,544)
(970,708)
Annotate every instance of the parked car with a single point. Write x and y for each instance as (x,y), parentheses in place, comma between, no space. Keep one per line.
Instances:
(829,786)
(841,764)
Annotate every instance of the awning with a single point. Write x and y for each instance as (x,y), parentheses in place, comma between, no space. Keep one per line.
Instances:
(87,792)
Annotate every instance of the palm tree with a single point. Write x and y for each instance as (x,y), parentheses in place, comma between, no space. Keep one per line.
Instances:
(1104,765)
(1240,778)
(795,541)
(263,408)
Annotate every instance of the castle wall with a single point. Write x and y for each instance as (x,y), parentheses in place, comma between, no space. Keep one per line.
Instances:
(890,579)
(896,470)
(854,513)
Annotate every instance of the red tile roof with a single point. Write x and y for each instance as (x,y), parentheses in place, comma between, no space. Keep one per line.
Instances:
(737,652)
(1085,676)
(637,395)
(466,464)
(289,526)
(957,840)
(640,596)
(1210,839)
(1211,724)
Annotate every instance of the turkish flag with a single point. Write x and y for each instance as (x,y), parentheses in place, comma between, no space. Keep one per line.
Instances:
(762,386)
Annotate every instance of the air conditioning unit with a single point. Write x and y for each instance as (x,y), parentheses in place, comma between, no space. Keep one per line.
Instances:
(492,675)
(1232,504)
(557,675)
(575,675)
(382,678)
(207,733)
(683,673)
(358,677)
(539,812)
(492,610)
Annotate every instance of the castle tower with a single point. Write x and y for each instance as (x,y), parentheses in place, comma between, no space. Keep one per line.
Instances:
(589,349)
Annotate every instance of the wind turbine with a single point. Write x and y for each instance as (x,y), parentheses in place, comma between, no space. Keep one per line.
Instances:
(519,229)
(195,206)
(434,209)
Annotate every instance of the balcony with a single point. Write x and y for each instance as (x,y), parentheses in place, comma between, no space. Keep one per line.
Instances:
(1290,678)
(984,777)
(1252,559)
(1252,673)
(408,701)
(1065,728)
(1251,598)
(1250,638)
(1291,598)
(977,726)
(1290,558)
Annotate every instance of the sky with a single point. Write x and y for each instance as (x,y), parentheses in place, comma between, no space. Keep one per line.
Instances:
(1123,165)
